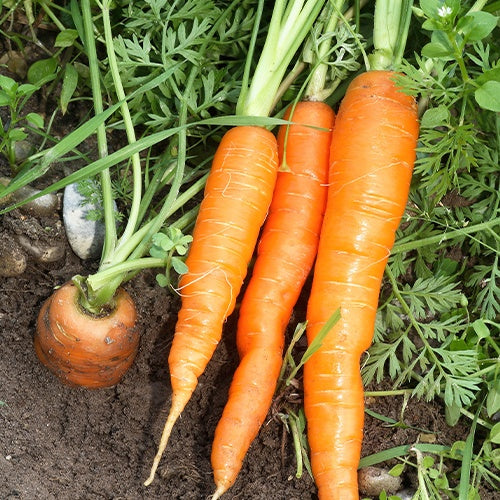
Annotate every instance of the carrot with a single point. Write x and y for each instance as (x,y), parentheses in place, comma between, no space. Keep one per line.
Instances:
(237,198)
(372,156)
(82,349)
(286,253)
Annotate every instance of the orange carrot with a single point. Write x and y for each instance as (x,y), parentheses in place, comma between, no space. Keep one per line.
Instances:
(237,197)
(82,349)
(372,156)
(285,257)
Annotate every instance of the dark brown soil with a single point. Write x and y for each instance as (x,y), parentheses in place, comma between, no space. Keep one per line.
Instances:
(66,443)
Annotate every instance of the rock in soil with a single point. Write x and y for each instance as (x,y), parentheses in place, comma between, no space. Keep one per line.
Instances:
(374,480)
(85,236)
(12,258)
(44,206)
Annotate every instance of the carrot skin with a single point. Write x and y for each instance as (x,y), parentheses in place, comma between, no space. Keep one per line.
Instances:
(83,350)
(371,161)
(237,196)
(285,256)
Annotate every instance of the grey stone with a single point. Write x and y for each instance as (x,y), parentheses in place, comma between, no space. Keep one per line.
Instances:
(85,236)
(374,480)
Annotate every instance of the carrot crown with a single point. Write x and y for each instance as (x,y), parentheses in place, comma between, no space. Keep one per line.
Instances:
(290,23)
(391,24)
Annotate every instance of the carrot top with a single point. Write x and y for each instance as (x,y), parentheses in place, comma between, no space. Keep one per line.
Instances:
(390,32)
(290,23)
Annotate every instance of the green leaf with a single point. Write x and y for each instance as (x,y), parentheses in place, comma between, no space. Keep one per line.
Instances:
(397,470)
(493,399)
(452,413)
(5,99)
(430,7)
(162,280)
(8,84)
(179,265)
(437,50)
(35,119)
(495,433)
(17,134)
(435,117)
(42,71)
(69,84)
(488,96)
(490,74)
(66,38)
(477,25)
(27,89)
(481,329)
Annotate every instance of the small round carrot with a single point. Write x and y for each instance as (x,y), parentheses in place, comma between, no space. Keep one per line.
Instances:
(372,156)
(236,200)
(82,349)
(286,253)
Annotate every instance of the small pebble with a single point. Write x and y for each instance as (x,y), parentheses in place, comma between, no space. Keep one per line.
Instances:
(22,150)
(12,258)
(406,494)
(44,206)
(41,252)
(86,237)
(374,480)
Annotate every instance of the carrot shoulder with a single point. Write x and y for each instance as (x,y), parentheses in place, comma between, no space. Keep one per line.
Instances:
(236,200)
(372,156)
(285,257)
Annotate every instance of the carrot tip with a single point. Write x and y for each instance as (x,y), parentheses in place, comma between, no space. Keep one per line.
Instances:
(218,492)
(172,418)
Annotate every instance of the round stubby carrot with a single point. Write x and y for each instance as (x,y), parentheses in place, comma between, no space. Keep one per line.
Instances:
(237,196)
(286,253)
(371,163)
(85,350)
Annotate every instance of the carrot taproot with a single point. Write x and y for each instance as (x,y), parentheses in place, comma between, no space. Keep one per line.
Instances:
(286,253)
(372,155)
(237,196)
(82,349)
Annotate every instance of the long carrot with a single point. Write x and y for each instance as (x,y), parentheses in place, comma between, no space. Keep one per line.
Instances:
(237,197)
(372,156)
(286,253)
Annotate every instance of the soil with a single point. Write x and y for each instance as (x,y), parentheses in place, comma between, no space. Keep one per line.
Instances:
(70,443)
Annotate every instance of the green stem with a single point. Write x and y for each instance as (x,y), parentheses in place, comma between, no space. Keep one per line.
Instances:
(129,129)
(316,86)
(390,31)
(107,193)
(395,392)
(455,233)
(289,25)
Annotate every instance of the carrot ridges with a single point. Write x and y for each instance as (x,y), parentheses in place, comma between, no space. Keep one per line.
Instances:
(286,253)
(371,160)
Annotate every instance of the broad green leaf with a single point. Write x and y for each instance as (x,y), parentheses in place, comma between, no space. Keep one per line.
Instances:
(488,96)
(481,329)
(437,50)
(42,71)
(35,119)
(495,433)
(435,117)
(452,413)
(8,84)
(493,399)
(162,280)
(430,7)
(27,89)
(69,84)
(5,99)
(179,265)
(17,134)
(397,470)
(477,25)
(490,74)
(66,38)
